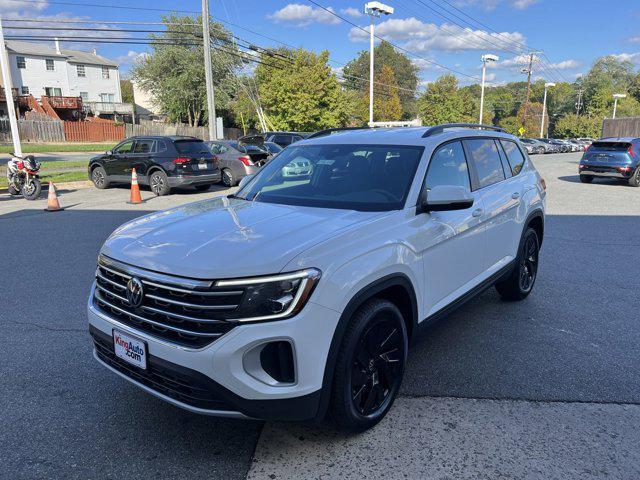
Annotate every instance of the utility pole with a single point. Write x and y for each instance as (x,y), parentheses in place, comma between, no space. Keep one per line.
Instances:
(529,72)
(544,106)
(485,58)
(617,96)
(373,9)
(579,102)
(8,93)
(211,101)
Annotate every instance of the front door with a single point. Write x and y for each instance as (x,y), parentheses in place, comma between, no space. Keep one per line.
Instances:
(141,158)
(118,165)
(453,242)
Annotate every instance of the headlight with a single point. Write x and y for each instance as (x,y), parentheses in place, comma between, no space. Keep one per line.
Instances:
(274,296)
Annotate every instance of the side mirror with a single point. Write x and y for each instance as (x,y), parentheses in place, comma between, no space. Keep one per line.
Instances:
(109,152)
(446,197)
(244,181)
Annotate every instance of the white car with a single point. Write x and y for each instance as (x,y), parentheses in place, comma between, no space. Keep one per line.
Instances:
(296,299)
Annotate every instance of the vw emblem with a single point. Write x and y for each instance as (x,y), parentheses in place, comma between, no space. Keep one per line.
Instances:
(135,292)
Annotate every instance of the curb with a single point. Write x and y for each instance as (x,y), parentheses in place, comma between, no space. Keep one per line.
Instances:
(62,185)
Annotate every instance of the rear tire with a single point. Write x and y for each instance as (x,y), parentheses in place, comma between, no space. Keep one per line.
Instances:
(370,366)
(228,178)
(159,183)
(586,178)
(634,181)
(518,284)
(99,178)
(202,188)
(13,190)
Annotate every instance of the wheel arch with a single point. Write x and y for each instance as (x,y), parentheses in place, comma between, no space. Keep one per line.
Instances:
(398,289)
(535,220)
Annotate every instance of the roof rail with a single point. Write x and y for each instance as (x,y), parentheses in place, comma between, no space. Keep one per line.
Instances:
(441,128)
(331,131)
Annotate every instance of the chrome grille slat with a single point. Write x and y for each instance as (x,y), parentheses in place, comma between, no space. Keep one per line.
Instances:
(158,324)
(182,311)
(190,305)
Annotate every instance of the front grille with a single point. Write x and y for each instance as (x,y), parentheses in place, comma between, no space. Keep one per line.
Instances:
(180,383)
(186,312)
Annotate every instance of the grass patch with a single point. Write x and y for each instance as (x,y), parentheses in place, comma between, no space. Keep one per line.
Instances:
(45,178)
(28,148)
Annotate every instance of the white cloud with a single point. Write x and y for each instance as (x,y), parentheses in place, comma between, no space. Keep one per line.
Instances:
(351,12)
(628,57)
(12,6)
(131,57)
(303,15)
(566,64)
(419,36)
(634,40)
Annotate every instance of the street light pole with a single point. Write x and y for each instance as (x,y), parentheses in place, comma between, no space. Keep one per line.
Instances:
(544,106)
(485,58)
(206,40)
(616,96)
(8,93)
(373,9)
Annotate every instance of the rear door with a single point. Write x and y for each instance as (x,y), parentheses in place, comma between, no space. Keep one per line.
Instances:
(141,158)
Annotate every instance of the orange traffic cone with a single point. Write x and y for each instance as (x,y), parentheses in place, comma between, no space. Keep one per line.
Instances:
(135,189)
(52,199)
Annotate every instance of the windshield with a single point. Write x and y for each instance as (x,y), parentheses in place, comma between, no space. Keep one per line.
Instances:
(191,146)
(351,177)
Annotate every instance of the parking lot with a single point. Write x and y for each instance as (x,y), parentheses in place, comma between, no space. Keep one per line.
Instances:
(545,388)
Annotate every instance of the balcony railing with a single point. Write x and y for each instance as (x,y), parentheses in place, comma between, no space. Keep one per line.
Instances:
(110,107)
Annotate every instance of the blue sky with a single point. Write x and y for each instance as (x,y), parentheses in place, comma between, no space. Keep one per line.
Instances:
(572,33)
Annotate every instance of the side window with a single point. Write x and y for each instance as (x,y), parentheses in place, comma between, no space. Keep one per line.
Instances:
(514,155)
(161,146)
(143,146)
(124,147)
(282,139)
(485,157)
(223,149)
(215,148)
(448,166)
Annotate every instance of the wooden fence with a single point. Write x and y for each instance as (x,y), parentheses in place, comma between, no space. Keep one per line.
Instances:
(33,131)
(153,128)
(621,127)
(93,132)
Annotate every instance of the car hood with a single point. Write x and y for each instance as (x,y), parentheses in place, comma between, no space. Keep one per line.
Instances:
(226,238)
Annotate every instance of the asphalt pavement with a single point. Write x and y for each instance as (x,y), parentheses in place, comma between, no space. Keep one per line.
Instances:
(545,388)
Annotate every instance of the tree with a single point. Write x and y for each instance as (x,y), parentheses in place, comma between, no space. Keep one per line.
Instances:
(386,102)
(126,88)
(174,72)
(577,126)
(442,102)
(298,90)
(356,75)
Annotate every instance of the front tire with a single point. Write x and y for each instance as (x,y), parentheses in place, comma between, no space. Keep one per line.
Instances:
(519,283)
(586,178)
(99,178)
(370,366)
(228,178)
(159,183)
(634,181)
(31,190)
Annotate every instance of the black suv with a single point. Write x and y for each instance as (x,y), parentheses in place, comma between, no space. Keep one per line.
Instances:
(284,139)
(160,162)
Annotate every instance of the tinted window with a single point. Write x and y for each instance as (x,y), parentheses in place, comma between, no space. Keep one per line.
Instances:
(125,147)
(191,146)
(215,148)
(448,166)
(143,146)
(353,177)
(161,146)
(282,139)
(514,155)
(484,154)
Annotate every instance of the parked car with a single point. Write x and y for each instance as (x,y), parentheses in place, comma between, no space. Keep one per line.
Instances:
(290,299)
(612,158)
(532,146)
(550,146)
(236,160)
(566,145)
(273,148)
(161,162)
(284,139)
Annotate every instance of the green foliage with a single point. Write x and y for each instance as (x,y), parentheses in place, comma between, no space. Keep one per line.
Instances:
(386,102)
(304,95)
(126,88)
(510,124)
(174,75)
(577,126)
(356,75)
(443,102)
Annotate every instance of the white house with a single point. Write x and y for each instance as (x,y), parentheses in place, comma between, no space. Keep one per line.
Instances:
(39,69)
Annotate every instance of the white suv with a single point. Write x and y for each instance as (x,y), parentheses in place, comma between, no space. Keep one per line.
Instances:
(298,297)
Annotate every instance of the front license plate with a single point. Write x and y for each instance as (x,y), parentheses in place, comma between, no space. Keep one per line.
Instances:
(203,166)
(130,349)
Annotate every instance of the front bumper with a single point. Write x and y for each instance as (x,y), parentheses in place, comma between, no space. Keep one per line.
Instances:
(217,378)
(190,180)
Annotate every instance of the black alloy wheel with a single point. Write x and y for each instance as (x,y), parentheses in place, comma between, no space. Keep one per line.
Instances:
(529,264)
(518,283)
(159,183)
(370,366)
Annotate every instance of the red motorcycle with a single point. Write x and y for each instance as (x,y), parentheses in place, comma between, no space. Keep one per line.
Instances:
(22,177)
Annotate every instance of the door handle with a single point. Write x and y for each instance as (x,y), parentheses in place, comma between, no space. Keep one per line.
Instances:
(477,212)
(515,195)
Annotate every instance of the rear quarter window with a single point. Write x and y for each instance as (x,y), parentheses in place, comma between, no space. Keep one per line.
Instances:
(191,146)
(514,156)
(486,159)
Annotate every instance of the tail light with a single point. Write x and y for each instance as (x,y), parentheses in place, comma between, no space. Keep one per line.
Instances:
(246,160)
(631,152)
(587,148)
(624,169)
(181,160)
